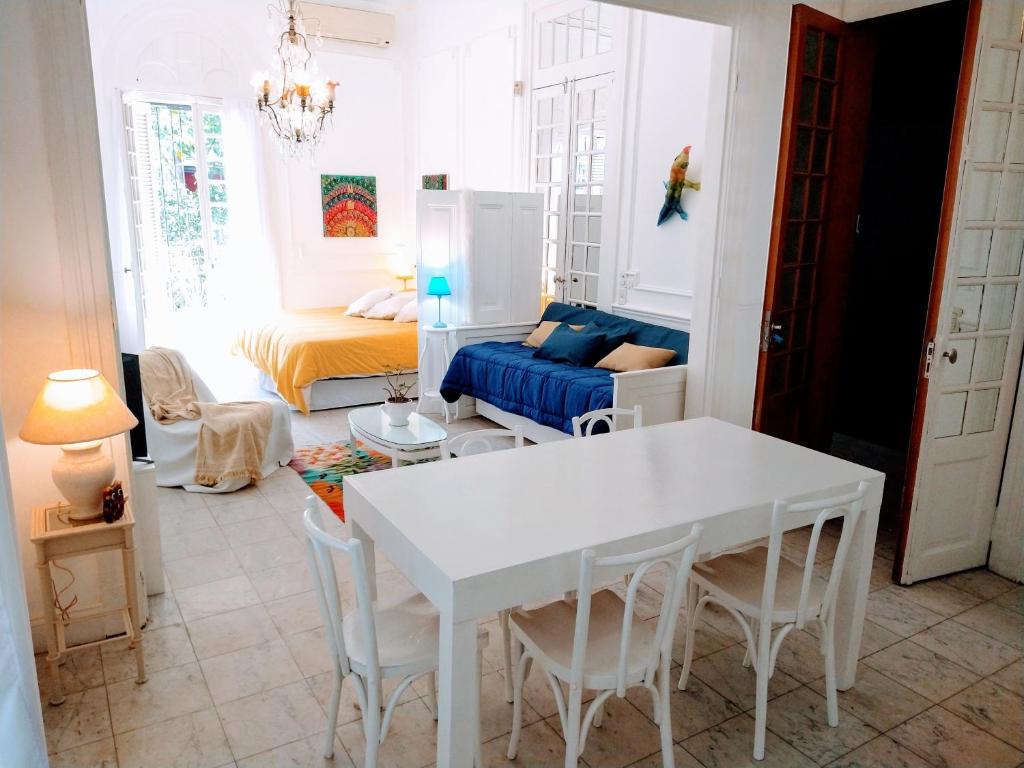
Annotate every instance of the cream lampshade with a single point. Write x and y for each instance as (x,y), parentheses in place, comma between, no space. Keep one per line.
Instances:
(76,409)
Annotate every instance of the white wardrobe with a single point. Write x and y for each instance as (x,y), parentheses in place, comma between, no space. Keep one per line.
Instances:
(489,247)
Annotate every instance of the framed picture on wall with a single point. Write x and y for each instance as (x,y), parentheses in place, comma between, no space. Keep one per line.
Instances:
(349,205)
(435,181)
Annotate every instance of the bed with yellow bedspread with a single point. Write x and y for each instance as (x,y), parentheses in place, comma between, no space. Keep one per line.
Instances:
(301,346)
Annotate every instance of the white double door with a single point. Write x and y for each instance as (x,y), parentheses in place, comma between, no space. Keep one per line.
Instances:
(977,355)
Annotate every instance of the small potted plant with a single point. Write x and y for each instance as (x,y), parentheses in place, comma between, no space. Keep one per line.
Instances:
(398,405)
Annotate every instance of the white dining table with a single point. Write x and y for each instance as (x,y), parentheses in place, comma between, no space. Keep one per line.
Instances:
(493,531)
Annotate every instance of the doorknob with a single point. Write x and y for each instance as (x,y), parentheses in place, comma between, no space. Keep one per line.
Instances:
(127,270)
(950,354)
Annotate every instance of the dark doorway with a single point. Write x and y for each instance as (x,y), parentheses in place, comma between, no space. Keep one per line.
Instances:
(917,66)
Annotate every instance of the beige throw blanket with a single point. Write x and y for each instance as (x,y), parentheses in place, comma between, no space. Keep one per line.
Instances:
(232,437)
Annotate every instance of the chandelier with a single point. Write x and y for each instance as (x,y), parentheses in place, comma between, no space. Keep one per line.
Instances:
(295,102)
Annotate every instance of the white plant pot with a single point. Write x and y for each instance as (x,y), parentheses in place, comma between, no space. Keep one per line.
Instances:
(398,413)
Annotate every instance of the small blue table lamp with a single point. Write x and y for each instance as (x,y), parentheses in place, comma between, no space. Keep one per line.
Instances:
(438,286)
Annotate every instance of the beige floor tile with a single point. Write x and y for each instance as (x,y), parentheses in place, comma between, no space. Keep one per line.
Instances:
(921,670)
(231,631)
(625,737)
(248,493)
(411,741)
(725,674)
(682,758)
(295,613)
(693,710)
(972,650)
(254,531)
(948,741)
(993,709)
(892,609)
(348,710)
(1014,600)
(80,671)
(191,543)
(271,719)
(875,637)
(216,597)
(97,754)
(539,747)
(997,622)
(249,670)
(282,581)
(800,657)
(881,574)
(942,598)
(163,648)
(174,499)
(980,582)
(202,569)
(706,640)
(800,718)
(717,617)
(882,752)
(163,611)
(731,745)
(166,694)
(195,740)
(305,753)
(81,719)
(878,700)
(179,521)
(310,650)
(1011,677)
(244,511)
(495,712)
(270,554)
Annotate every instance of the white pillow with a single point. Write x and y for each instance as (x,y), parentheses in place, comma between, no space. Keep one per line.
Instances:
(387,309)
(367,301)
(409,313)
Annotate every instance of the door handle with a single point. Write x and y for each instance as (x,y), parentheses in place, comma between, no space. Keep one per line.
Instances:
(950,354)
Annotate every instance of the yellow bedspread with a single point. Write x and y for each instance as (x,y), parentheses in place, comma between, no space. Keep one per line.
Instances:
(300,346)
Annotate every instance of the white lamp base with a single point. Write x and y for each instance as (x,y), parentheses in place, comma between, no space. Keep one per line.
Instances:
(81,474)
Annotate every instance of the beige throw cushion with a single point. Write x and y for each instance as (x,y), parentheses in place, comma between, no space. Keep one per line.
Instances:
(542,331)
(632,357)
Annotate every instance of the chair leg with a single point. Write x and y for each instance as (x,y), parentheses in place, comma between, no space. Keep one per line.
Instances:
(371,723)
(506,649)
(764,634)
(332,713)
(572,727)
(522,668)
(599,717)
(665,724)
(691,629)
(432,693)
(830,674)
(748,657)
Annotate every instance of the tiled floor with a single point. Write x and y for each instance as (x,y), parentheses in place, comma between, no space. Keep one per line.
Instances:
(238,669)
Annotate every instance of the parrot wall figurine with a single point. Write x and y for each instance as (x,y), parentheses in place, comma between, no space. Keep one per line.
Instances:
(675,185)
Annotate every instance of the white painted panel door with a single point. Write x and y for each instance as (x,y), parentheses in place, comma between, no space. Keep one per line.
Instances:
(528,217)
(978,345)
(489,287)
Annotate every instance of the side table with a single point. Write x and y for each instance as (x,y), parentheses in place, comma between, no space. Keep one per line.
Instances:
(55,538)
(438,347)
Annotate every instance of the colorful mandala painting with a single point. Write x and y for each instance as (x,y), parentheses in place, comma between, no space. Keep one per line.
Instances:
(350,205)
(435,181)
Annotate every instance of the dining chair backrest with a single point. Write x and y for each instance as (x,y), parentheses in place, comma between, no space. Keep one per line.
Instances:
(789,517)
(319,548)
(677,558)
(583,426)
(481,441)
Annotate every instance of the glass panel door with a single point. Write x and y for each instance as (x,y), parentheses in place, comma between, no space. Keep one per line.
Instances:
(550,147)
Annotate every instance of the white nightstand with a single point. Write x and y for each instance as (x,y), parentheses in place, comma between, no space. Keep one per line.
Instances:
(436,356)
(56,538)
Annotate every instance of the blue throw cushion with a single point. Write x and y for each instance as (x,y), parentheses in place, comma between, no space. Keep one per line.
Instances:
(636,332)
(579,348)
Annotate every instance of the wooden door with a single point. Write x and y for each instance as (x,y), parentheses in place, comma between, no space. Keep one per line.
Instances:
(972,364)
(812,227)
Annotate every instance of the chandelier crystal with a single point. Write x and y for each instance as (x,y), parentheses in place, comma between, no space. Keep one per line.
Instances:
(295,101)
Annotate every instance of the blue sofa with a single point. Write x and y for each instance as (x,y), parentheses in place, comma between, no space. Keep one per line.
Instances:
(507,376)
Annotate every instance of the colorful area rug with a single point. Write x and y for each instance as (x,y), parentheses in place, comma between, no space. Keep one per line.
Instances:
(324,468)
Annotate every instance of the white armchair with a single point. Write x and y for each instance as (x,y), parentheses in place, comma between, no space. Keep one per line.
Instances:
(173,446)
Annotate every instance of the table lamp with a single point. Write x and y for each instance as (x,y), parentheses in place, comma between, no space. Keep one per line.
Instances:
(76,409)
(438,286)
(402,268)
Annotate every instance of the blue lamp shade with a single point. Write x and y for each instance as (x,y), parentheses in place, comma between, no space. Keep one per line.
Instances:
(438,286)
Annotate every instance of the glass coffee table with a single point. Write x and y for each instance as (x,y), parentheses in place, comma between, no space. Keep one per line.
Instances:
(418,440)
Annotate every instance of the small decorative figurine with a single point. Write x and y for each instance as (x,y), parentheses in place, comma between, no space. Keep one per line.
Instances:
(113,502)
(675,185)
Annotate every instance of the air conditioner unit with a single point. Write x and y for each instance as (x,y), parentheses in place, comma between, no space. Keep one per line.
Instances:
(348,25)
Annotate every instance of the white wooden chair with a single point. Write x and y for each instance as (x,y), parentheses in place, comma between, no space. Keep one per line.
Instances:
(483,441)
(376,642)
(595,642)
(583,426)
(761,589)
